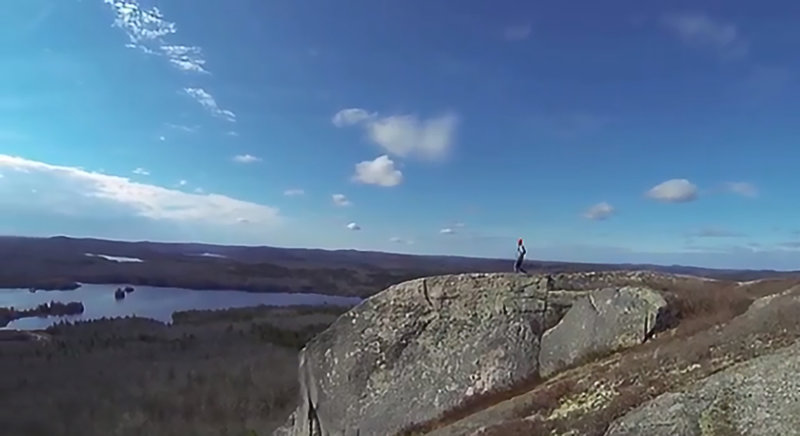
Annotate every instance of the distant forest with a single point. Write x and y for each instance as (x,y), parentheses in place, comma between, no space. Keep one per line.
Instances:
(213,372)
(62,263)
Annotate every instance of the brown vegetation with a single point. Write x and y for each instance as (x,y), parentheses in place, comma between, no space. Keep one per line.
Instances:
(696,347)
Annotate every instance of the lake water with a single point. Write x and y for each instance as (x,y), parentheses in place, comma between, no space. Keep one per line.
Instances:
(149,302)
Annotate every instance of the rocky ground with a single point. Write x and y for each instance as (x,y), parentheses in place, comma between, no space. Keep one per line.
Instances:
(616,353)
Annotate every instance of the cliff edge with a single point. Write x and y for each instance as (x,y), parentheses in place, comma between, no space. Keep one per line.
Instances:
(420,348)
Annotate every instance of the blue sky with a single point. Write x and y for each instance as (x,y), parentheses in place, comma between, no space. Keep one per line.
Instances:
(613,132)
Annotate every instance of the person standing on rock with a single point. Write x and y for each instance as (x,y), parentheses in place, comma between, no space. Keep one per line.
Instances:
(520,257)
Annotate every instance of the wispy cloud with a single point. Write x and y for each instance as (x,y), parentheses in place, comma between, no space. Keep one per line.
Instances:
(404,135)
(673,191)
(744,189)
(207,101)
(380,171)
(293,192)
(183,128)
(715,232)
(517,32)
(447,231)
(246,158)
(141,172)
(351,116)
(340,200)
(65,189)
(186,58)
(599,211)
(699,30)
(146,30)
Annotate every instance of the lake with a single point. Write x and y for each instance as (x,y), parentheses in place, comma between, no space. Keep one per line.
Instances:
(149,302)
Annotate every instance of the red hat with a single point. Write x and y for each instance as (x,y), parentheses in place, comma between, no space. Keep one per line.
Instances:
(519,242)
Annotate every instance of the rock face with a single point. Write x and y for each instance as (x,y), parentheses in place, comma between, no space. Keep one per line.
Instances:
(758,397)
(605,321)
(419,348)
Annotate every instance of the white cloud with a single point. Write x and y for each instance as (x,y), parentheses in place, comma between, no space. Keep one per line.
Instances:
(599,211)
(673,191)
(353,226)
(293,192)
(407,135)
(517,33)
(182,182)
(186,58)
(73,190)
(700,30)
(162,138)
(447,231)
(351,116)
(246,158)
(184,128)
(141,25)
(742,188)
(141,172)
(404,135)
(340,200)
(380,171)
(207,101)
(146,30)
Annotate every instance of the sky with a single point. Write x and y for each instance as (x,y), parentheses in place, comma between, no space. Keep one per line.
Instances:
(617,131)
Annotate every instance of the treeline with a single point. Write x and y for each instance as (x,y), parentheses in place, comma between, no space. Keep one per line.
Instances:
(64,273)
(229,372)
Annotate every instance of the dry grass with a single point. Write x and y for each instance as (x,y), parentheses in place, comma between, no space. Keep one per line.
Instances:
(471,405)
(692,347)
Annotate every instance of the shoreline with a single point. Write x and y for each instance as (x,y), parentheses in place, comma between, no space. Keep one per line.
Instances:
(68,286)
(179,317)
(43,310)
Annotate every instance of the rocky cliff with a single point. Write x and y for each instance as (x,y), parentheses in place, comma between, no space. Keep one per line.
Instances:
(421,348)
(616,353)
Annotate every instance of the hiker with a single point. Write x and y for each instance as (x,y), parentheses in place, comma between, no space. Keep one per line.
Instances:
(520,257)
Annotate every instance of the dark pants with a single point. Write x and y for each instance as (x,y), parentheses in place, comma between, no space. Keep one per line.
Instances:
(518,265)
